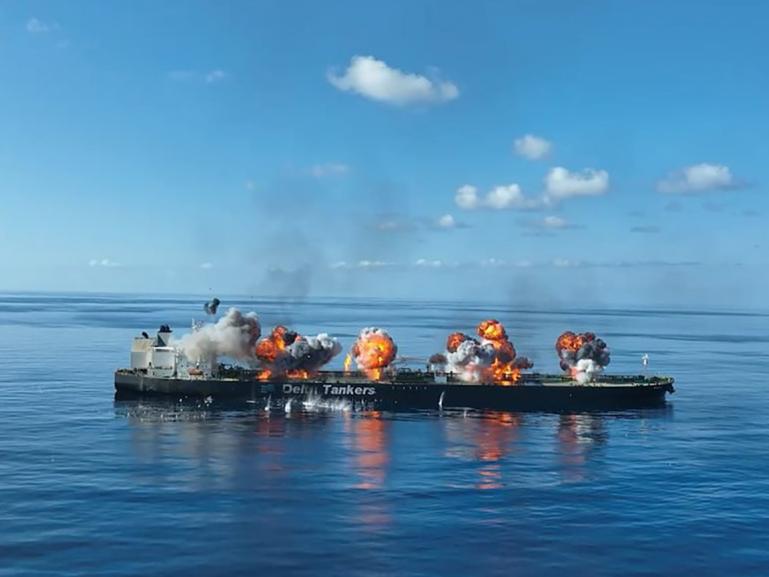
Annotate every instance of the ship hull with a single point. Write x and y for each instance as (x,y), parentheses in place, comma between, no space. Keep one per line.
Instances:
(533,393)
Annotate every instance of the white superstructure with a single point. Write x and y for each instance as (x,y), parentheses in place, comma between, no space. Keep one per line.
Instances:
(155,355)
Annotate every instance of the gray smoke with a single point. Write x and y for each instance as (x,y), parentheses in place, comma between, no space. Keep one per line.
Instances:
(234,335)
(583,355)
(285,351)
(311,353)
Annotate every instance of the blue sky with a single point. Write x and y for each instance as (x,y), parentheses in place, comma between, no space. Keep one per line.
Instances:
(605,152)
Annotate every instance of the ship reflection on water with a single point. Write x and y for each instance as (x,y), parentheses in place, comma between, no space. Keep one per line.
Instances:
(356,464)
(580,437)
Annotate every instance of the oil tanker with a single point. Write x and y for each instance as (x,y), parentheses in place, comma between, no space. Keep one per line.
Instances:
(158,368)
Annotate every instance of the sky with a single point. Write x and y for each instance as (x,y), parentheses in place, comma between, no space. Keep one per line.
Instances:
(536,152)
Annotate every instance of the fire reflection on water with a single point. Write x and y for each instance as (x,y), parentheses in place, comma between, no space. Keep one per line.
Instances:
(491,435)
(494,440)
(369,444)
(370,458)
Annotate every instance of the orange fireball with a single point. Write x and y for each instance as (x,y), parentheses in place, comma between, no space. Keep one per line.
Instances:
(373,351)
(268,348)
(505,368)
(492,330)
(454,340)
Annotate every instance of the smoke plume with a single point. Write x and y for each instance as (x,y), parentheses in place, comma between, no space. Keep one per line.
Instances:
(287,353)
(234,335)
(492,358)
(582,355)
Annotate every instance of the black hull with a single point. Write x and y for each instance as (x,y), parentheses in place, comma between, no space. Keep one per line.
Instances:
(625,393)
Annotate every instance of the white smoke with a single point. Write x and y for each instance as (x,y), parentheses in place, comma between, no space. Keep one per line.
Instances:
(234,335)
(470,358)
(586,371)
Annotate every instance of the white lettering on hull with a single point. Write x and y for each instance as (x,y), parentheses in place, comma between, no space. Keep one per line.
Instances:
(329,390)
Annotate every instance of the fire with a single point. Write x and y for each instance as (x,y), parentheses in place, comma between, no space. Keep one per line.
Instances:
(505,368)
(582,355)
(492,330)
(454,340)
(286,354)
(268,348)
(572,342)
(373,351)
(490,358)
(347,362)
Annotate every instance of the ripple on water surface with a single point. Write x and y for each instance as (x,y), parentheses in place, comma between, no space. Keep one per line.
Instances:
(94,485)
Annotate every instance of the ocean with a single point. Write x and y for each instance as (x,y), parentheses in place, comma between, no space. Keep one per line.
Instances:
(91,485)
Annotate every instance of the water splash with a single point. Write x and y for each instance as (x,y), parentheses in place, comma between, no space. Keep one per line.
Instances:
(317,403)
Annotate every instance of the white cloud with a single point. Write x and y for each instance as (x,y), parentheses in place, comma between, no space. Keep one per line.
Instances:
(103,262)
(446,221)
(374,79)
(698,178)
(504,196)
(532,147)
(467,197)
(364,264)
(36,26)
(425,263)
(369,264)
(206,265)
(554,222)
(215,76)
(501,263)
(329,169)
(501,197)
(560,183)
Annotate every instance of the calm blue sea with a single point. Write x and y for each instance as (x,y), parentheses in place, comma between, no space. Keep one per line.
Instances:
(93,486)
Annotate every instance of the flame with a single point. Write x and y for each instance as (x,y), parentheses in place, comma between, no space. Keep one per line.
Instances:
(454,340)
(573,348)
(373,351)
(492,330)
(264,375)
(268,348)
(571,341)
(505,369)
(347,363)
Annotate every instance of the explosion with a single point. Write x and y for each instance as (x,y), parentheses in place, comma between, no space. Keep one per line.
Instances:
(287,353)
(493,358)
(582,355)
(373,350)
(234,335)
